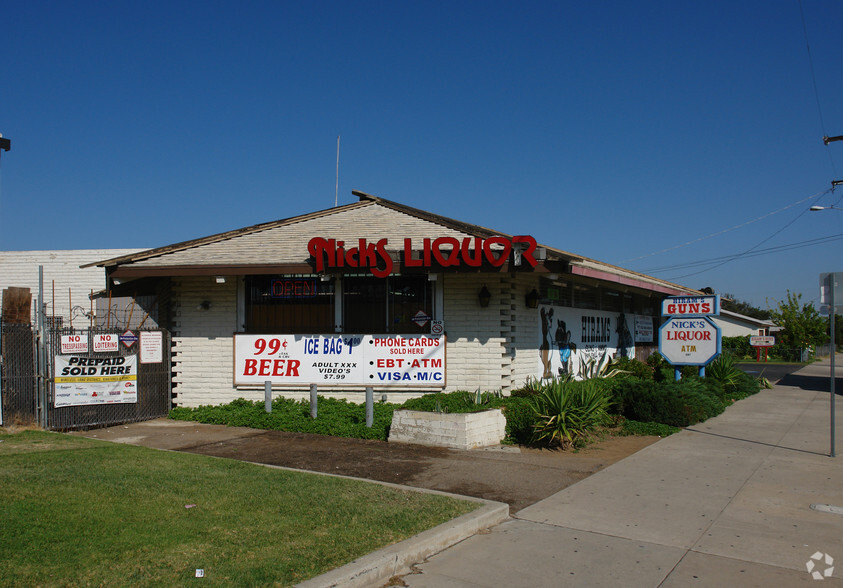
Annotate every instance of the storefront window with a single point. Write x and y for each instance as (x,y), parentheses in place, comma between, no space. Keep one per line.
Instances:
(387,305)
(289,304)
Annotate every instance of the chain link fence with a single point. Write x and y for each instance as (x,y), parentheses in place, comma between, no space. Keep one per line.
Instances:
(28,388)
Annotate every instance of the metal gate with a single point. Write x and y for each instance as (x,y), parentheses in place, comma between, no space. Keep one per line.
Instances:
(18,377)
(28,389)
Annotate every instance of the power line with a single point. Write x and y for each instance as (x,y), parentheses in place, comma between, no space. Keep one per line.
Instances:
(759,252)
(814,82)
(718,233)
(740,255)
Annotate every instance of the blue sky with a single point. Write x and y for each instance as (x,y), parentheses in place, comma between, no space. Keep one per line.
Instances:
(614,130)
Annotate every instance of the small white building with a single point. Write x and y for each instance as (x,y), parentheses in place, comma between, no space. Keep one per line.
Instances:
(381,294)
(733,324)
(67,288)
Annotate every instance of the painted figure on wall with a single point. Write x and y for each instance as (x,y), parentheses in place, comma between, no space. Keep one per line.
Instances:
(545,343)
(576,342)
(625,343)
(566,346)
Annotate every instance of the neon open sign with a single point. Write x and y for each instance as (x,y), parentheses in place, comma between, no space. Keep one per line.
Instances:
(293,288)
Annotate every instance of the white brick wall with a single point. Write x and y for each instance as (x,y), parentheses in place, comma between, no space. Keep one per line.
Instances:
(479,354)
(524,346)
(457,430)
(72,285)
(475,351)
(203,342)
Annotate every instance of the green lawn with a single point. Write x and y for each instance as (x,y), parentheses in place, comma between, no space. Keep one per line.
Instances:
(79,512)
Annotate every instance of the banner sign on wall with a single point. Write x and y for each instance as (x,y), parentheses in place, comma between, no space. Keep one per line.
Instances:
(644,330)
(569,337)
(407,361)
(83,380)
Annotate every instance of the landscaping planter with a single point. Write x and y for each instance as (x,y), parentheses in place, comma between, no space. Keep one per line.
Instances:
(457,430)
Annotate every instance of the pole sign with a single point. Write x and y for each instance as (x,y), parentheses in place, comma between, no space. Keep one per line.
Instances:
(689,341)
(762,341)
(691,306)
(829,283)
(689,337)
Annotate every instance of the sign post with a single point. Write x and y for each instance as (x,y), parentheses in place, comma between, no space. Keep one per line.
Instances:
(828,285)
(761,343)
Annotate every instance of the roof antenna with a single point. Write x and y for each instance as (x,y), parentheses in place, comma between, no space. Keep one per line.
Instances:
(337,189)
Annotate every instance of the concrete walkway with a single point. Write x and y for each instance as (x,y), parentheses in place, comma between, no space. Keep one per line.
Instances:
(725,503)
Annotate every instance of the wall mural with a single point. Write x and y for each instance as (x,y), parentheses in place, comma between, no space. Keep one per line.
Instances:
(571,338)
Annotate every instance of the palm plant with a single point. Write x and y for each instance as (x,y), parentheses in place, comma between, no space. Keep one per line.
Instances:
(724,370)
(568,411)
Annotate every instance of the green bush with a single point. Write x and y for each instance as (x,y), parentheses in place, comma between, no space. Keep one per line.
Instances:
(629,427)
(739,347)
(634,367)
(338,418)
(520,418)
(745,386)
(724,370)
(459,401)
(679,404)
(567,412)
(532,387)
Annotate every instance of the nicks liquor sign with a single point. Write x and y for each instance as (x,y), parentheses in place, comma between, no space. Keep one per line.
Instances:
(442,252)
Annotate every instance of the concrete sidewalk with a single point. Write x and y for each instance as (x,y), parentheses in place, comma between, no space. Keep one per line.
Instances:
(725,503)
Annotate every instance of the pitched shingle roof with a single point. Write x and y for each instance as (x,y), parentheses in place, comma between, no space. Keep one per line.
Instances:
(281,245)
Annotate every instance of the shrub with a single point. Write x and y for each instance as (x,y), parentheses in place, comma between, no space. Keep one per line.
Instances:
(724,370)
(533,387)
(634,367)
(568,411)
(680,404)
(520,418)
(744,386)
(459,401)
(336,417)
(739,347)
(629,427)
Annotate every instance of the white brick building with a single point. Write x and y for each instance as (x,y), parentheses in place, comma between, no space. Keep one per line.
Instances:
(546,311)
(67,288)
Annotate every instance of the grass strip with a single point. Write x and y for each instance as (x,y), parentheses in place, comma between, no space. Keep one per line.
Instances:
(79,512)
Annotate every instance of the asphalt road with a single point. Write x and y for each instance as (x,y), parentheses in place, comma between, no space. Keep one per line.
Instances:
(784,375)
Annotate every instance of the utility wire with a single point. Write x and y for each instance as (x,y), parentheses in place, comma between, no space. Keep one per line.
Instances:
(814,81)
(743,254)
(759,252)
(718,233)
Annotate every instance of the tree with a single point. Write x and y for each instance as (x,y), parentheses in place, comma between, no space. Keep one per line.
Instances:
(731,303)
(801,323)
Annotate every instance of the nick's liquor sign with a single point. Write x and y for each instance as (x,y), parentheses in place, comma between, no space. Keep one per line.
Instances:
(441,252)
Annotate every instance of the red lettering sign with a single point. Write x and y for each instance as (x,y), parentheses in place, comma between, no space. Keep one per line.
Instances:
(443,251)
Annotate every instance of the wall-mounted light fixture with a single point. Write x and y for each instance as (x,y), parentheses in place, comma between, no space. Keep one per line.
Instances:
(484,296)
(532,299)
(220,279)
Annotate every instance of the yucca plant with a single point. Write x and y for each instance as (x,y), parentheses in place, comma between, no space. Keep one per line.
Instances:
(568,411)
(602,368)
(724,370)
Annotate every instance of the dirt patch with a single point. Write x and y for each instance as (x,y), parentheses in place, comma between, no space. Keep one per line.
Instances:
(516,475)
